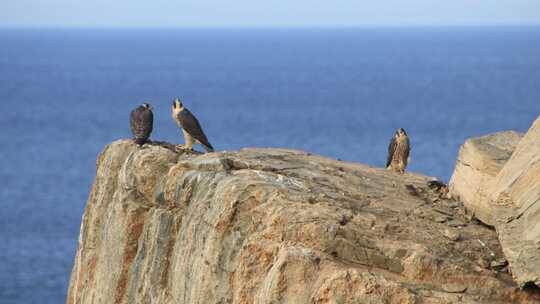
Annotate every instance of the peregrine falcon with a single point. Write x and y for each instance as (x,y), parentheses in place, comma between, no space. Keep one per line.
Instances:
(398,152)
(191,128)
(141,121)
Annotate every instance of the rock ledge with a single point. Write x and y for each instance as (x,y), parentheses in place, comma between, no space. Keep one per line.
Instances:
(277,226)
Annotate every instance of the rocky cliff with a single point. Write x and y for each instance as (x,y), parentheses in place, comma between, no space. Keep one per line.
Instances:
(498,178)
(277,226)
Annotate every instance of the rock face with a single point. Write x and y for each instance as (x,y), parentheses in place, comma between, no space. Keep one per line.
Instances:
(277,226)
(504,191)
(479,161)
(516,193)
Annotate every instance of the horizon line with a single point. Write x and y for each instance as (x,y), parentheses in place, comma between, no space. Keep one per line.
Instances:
(263,27)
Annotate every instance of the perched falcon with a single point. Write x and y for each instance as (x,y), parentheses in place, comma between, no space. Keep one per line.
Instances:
(191,128)
(141,121)
(398,151)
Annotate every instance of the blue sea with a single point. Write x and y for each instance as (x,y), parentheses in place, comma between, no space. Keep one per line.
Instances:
(66,93)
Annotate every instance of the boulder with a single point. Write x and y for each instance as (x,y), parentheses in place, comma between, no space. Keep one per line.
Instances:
(479,161)
(164,225)
(516,195)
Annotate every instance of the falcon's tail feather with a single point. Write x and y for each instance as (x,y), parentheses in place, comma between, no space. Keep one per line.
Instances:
(208,148)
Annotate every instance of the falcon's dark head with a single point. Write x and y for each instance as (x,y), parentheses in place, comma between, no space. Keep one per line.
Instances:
(177,104)
(401,132)
(146,106)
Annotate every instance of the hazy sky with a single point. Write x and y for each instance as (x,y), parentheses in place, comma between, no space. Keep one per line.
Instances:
(212,13)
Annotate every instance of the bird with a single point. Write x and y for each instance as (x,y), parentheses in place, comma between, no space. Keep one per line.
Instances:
(398,152)
(141,122)
(190,126)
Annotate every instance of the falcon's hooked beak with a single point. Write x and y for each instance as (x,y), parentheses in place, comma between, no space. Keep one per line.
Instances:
(177,103)
(401,132)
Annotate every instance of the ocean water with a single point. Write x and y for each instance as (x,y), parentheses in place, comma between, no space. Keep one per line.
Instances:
(64,94)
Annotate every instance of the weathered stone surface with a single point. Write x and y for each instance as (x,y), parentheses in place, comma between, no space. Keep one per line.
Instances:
(504,192)
(479,161)
(275,226)
(516,193)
